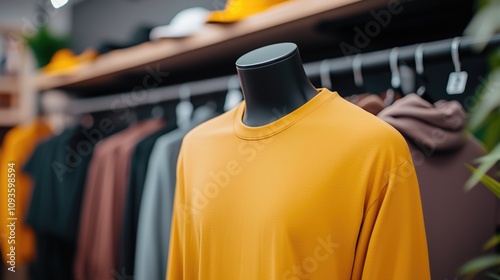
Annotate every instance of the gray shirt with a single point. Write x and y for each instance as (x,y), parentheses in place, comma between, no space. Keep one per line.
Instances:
(155,216)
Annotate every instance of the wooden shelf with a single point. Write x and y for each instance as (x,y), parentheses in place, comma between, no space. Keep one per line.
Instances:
(8,29)
(9,85)
(9,118)
(17,93)
(292,20)
(9,100)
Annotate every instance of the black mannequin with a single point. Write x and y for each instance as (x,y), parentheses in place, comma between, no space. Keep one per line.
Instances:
(273,80)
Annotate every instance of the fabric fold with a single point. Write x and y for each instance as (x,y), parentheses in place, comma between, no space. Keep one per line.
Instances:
(440,127)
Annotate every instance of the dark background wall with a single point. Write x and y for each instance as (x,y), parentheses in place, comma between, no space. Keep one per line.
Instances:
(98,21)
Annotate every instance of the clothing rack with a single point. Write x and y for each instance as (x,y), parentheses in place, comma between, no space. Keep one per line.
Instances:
(378,60)
(368,62)
(162,94)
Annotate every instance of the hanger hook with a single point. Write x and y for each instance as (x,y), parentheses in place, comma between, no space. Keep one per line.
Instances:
(184,93)
(419,67)
(234,94)
(184,108)
(324,74)
(233,83)
(393,61)
(454,53)
(419,59)
(356,69)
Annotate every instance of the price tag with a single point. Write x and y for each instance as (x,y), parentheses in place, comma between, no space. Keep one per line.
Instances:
(457,82)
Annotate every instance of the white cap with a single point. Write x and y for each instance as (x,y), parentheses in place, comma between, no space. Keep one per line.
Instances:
(185,23)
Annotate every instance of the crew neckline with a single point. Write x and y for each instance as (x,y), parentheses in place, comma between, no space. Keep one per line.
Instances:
(246,132)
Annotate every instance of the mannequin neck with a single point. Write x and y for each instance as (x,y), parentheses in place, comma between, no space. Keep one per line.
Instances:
(274,83)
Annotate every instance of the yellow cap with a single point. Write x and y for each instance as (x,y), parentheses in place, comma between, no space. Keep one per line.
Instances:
(65,62)
(236,10)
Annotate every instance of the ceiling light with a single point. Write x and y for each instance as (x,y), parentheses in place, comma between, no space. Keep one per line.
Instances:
(58,3)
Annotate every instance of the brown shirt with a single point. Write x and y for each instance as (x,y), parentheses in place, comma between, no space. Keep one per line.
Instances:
(457,222)
(104,203)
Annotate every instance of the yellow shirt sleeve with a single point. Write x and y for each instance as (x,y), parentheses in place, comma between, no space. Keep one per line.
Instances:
(177,229)
(392,242)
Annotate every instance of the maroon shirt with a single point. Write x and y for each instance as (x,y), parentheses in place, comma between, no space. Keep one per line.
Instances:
(103,207)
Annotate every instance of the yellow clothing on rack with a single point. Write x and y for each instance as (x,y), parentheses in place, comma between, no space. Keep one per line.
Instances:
(18,144)
(327,191)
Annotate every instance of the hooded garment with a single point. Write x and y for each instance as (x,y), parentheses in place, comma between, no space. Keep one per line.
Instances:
(457,223)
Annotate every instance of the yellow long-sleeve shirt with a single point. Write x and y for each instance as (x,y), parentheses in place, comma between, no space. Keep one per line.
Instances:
(325,192)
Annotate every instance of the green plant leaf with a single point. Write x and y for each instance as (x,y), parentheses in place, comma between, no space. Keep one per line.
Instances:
(489,182)
(494,59)
(492,131)
(495,240)
(494,156)
(44,45)
(493,276)
(485,163)
(484,24)
(479,264)
(487,101)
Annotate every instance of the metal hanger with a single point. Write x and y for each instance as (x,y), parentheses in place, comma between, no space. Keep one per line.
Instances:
(184,109)
(395,77)
(419,68)
(157,110)
(357,72)
(324,74)
(457,79)
(422,78)
(234,95)
(358,77)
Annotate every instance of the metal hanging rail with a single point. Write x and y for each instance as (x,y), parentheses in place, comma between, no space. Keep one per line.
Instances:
(438,50)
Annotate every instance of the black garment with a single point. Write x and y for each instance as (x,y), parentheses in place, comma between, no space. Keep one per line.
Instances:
(42,214)
(59,178)
(138,171)
(58,168)
(54,258)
